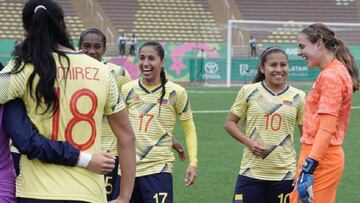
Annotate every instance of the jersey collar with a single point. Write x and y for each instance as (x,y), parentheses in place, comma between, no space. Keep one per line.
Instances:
(273,93)
(148,91)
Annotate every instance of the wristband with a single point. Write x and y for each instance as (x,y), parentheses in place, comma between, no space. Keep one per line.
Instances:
(84,159)
(309,165)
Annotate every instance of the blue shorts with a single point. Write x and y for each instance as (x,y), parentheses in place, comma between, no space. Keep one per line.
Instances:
(249,190)
(110,181)
(151,188)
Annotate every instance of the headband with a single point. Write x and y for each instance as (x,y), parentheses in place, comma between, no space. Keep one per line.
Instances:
(270,49)
(38,7)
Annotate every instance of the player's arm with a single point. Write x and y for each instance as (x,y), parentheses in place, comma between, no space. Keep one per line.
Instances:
(300,130)
(35,146)
(121,127)
(238,110)
(175,144)
(183,109)
(231,126)
(191,144)
(321,143)
(300,113)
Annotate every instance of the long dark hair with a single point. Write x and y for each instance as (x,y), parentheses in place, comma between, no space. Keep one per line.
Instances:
(263,57)
(94,31)
(43,21)
(318,31)
(161,52)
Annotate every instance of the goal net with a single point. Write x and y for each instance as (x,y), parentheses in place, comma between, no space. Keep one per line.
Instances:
(240,65)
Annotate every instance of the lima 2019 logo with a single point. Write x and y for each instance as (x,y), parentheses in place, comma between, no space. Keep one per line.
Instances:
(211,71)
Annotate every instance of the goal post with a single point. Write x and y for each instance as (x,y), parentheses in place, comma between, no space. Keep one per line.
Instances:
(277,33)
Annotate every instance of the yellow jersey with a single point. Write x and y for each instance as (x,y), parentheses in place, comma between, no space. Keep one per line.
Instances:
(270,119)
(153,122)
(88,92)
(108,139)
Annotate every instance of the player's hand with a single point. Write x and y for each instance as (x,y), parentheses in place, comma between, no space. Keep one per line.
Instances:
(179,149)
(190,176)
(257,148)
(305,187)
(306,180)
(102,163)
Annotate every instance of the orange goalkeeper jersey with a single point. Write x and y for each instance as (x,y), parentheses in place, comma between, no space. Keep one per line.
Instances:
(331,94)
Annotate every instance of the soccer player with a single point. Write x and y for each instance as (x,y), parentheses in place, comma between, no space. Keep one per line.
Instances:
(14,121)
(271,109)
(66,94)
(93,43)
(154,103)
(327,112)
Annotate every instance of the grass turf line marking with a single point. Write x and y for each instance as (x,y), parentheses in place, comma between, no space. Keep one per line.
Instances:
(227,111)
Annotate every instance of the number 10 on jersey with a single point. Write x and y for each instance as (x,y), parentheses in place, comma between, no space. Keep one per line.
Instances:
(273,121)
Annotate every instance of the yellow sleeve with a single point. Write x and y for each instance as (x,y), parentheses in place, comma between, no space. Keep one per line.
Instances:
(240,106)
(122,77)
(13,85)
(190,139)
(114,101)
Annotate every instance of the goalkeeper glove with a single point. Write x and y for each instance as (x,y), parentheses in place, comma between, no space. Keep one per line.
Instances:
(306,180)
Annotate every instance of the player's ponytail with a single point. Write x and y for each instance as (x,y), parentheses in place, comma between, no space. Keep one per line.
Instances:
(43,21)
(259,76)
(343,54)
(163,82)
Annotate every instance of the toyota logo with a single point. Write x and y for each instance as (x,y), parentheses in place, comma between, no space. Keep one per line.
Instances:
(211,67)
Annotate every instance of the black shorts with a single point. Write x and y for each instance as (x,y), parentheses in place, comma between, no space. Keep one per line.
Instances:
(249,190)
(152,188)
(110,181)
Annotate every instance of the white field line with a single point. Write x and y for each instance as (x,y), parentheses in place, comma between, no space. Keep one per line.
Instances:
(227,111)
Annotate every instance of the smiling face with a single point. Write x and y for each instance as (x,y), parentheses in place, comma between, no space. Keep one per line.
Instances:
(310,52)
(150,65)
(276,70)
(93,46)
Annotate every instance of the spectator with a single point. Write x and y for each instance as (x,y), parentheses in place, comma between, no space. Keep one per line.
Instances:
(133,42)
(252,42)
(122,44)
(17,47)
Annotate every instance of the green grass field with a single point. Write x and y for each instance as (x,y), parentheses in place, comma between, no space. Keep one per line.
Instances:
(219,154)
